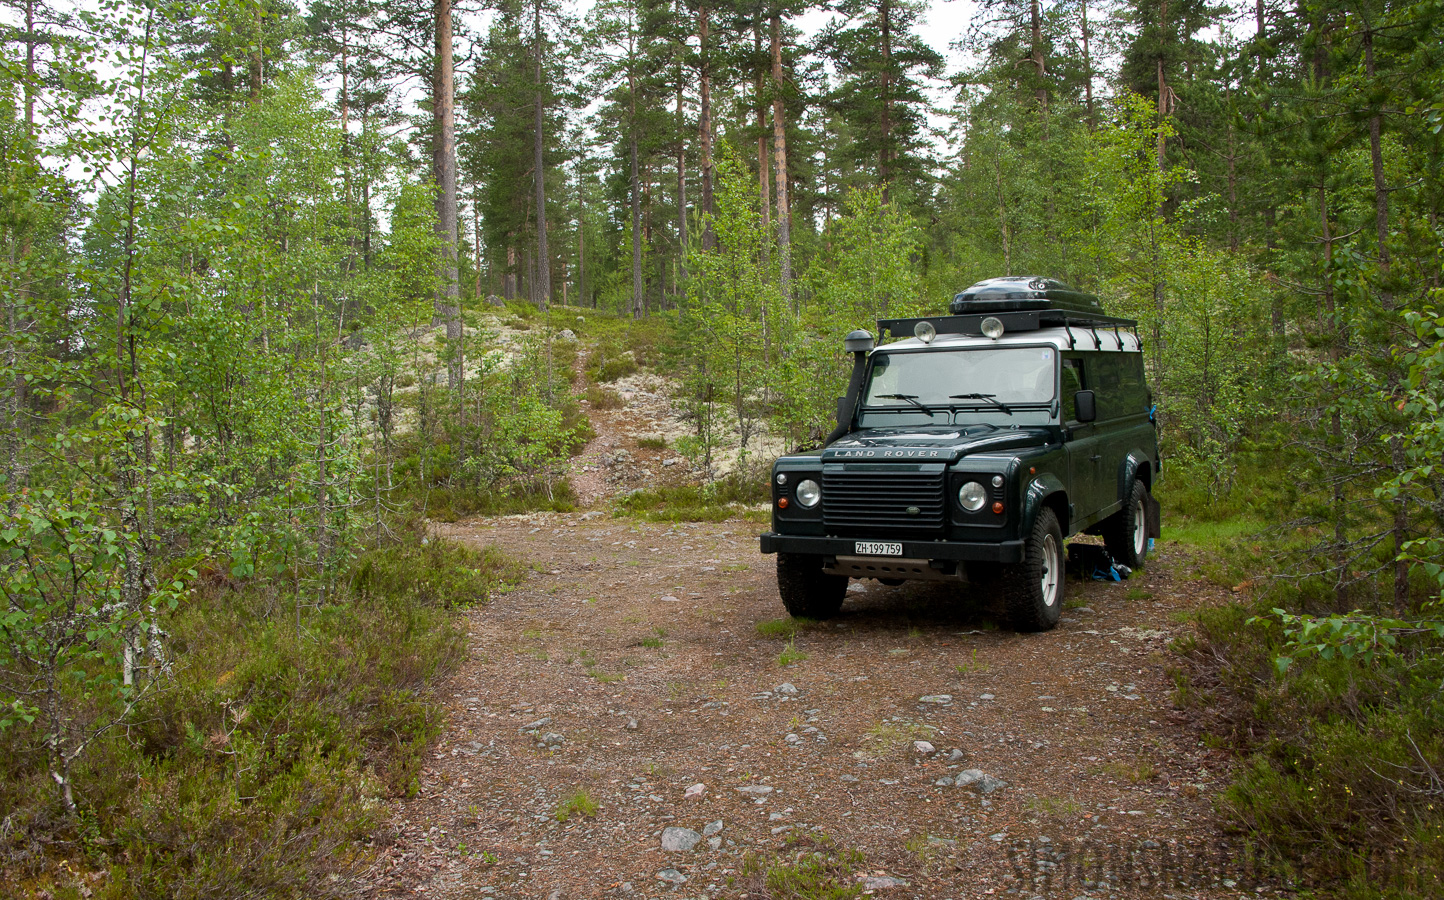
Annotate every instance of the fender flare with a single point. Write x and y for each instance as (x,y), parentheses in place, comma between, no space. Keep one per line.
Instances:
(1045,487)
(1128,471)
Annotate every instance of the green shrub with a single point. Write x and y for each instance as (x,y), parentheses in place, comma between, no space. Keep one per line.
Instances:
(1340,784)
(254,769)
(610,368)
(604,398)
(715,502)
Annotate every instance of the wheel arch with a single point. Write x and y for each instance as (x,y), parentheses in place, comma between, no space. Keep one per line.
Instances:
(1136,466)
(1047,491)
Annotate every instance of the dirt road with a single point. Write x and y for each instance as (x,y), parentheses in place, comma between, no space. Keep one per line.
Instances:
(918,750)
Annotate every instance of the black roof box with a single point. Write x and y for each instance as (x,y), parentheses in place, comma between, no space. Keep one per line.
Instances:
(1018,293)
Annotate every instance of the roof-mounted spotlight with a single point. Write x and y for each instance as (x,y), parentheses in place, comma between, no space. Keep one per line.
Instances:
(925,332)
(992,327)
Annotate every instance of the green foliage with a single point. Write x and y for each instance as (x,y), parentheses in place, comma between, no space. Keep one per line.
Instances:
(1339,718)
(1190,300)
(716,502)
(814,869)
(783,628)
(578,804)
(790,654)
(866,271)
(731,321)
(254,766)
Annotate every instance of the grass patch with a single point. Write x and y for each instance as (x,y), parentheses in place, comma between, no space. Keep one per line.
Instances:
(973,665)
(452,503)
(716,502)
(1055,807)
(891,736)
(814,869)
(578,804)
(790,655)
(652,443)
(1134,771)
(783,628)
(255,766)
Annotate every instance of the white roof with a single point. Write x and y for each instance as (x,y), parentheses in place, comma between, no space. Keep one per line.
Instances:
(1082,339)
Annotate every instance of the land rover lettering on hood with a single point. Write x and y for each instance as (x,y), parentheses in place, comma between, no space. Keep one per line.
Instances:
(968,450)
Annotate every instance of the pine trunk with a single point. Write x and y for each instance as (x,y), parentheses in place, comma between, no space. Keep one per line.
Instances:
(1088,70)
(543,269)
(636,191)
(1163,97)
(779,150)
(884,170)
(1039,65)
(1397,456)
(681,185)
(448,295)
(704,125)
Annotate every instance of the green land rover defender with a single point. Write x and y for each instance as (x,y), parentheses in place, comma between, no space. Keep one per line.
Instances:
(968,452)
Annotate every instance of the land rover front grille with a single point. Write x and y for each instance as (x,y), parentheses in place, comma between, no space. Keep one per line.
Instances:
(882,503)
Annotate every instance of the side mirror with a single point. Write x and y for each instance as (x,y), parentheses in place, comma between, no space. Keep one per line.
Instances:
(1086,405)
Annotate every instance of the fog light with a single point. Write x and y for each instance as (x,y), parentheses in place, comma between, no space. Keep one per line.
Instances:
(972,496)
(781,477)
(808,492)
(997,481)
(925,332)
(993,327)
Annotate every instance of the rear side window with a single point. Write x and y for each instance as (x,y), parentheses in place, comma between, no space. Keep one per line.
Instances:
(1119,384)
(1072,374)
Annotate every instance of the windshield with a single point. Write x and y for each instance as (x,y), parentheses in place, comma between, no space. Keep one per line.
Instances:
(988,378)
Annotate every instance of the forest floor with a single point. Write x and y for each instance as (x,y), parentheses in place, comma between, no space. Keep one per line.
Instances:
(643,689)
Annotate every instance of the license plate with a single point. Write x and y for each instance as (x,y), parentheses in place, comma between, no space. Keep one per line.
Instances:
(876,548)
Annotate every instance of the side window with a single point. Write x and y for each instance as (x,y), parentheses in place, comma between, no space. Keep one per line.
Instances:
(1072,374)
(1120,384)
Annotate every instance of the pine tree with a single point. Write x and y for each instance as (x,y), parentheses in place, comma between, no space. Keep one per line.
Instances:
(882,62)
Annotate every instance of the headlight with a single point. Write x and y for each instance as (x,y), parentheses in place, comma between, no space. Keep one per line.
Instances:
(808,493)
(972,496)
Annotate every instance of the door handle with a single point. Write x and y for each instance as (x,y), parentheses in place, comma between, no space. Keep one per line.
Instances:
(1096,457)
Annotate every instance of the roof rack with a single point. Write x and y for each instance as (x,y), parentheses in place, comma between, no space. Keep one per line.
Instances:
(1021,303)
(1016,321)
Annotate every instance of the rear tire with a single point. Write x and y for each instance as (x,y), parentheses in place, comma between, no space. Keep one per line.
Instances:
(1034,587)
(1125,533)
(807,591)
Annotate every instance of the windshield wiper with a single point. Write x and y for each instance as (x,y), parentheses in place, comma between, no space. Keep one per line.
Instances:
(991,398)
(911,398)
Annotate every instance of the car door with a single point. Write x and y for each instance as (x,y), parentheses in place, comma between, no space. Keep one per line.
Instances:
(1080,439)
(1122,414)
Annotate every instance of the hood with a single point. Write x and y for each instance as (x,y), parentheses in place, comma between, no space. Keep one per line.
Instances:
(944,444)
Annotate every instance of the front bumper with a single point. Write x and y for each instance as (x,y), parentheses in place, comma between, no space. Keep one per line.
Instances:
(966,551)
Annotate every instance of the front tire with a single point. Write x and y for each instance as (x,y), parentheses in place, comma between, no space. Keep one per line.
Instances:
(1125,533)
(1034,586)
(807,591)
